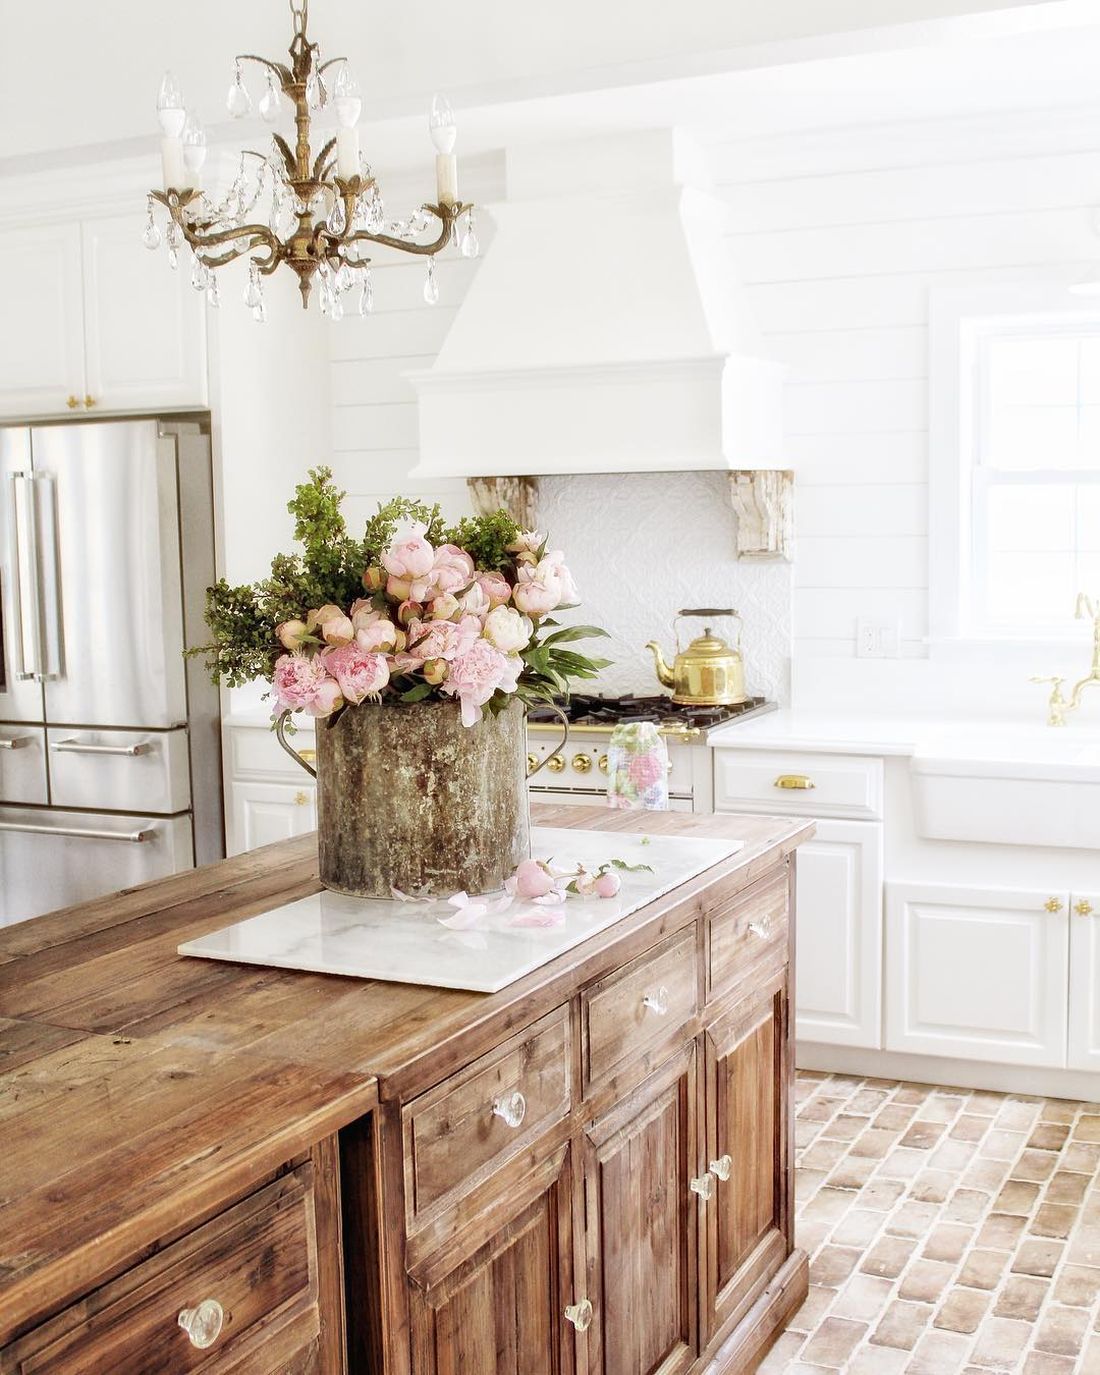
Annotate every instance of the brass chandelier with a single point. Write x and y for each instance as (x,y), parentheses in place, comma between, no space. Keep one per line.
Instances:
(322,210)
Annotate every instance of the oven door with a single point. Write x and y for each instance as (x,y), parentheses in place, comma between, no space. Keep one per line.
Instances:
(591,797)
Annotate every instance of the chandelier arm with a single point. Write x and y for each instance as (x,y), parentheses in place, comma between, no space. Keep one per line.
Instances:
(285,75)
(254,234)
(390,241)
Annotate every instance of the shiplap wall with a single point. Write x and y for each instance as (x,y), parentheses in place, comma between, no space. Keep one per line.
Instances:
(839,237)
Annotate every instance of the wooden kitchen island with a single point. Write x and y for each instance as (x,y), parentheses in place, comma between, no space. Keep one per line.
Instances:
(307,1171)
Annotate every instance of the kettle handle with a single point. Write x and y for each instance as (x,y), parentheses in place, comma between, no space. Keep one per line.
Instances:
(709,611)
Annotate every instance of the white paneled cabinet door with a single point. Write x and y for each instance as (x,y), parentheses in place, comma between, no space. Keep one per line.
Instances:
(41,321)
(144,325)
(1084,981)
(839,938)
(977,973)
(262,813)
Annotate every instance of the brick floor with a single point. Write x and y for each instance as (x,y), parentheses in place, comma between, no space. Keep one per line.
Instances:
(950,1232)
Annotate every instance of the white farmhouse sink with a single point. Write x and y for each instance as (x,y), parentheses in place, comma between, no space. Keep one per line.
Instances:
(1006,785)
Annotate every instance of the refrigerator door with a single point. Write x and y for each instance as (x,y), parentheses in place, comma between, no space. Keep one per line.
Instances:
(20,612)
(109,570)
(50,859)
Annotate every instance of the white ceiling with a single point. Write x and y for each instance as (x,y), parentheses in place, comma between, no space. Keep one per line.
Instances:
(87,88)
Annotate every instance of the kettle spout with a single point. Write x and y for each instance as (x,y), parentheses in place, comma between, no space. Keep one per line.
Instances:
(664,673)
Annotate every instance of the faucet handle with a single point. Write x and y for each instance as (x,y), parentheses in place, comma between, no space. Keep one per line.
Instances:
(1057,702)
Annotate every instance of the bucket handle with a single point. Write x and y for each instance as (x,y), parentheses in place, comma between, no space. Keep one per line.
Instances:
(283,717)
(280,735)
(561,743)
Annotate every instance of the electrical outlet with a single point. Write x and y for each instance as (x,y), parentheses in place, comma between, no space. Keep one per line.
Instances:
(877,639)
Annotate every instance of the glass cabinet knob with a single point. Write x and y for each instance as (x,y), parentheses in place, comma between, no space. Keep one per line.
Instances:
(759,928)
(703,1185)
(580,1314)
(203,1323)
(721,1167)
(657,1003)
(511,1109)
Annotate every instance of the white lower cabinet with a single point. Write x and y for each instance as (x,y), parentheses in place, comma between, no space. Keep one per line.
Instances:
(1084,981)
(978,973)
(265,812)
(839,936)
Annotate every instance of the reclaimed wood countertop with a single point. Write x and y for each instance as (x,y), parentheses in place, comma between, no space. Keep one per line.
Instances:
(138,1087)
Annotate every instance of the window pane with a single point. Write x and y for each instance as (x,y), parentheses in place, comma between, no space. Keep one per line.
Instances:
(1088,449)
(1088,575)
(1088,518)
(1033,372)
(1033,437)
(1090,371)
(1029,517)
(1030,589)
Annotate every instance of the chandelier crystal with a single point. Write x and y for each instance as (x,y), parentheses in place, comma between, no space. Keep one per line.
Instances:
(315,214)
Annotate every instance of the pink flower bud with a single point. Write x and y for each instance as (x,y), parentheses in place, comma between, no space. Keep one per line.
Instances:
(374,578)
(292,634)
(435,671)
(607,885)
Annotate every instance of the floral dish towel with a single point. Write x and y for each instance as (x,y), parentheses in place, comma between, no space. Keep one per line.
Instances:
(637,767)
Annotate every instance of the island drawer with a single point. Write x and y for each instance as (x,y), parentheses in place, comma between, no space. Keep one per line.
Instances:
(250,1273)
(464,1128)
(751,925)
(628,1012)
(806,784)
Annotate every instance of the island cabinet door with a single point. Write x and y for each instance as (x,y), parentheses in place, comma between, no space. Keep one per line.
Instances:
(641,1228)
(499,1308)
(747,1214)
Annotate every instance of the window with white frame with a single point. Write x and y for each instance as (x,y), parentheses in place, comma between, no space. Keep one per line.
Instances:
(1015,518)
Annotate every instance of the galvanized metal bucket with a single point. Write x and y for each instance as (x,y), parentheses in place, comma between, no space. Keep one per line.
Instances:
(410,798)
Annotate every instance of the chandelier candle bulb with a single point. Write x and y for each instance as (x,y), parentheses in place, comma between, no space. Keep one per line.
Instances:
(446,178)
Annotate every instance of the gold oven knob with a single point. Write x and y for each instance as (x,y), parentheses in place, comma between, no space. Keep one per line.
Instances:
(582,762)
(532,762)
(602,763)
(556,763)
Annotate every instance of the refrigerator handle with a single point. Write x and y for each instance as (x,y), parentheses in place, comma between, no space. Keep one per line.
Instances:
(49,577)
(24,569)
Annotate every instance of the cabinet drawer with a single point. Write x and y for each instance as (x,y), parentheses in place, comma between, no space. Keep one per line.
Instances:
(806,784)
(465,1127)
(255,1261)
(254,752)
(22,764)
(754,924)
(136,771)
(633,1009)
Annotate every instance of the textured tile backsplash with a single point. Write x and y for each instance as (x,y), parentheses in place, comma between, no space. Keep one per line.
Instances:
(643,545)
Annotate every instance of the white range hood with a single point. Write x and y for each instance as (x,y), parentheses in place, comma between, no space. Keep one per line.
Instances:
(605,330)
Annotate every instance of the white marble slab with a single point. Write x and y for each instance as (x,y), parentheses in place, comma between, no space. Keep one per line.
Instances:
(366,938)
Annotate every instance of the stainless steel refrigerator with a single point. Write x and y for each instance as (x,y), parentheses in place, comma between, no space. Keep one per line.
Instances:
(110,756)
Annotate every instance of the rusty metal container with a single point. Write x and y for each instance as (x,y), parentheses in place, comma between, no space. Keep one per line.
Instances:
(410,798)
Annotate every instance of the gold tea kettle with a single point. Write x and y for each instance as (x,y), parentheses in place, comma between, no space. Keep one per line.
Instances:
(708,673)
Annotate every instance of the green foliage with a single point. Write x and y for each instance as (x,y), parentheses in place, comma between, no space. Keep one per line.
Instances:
(485,539)
(241,649)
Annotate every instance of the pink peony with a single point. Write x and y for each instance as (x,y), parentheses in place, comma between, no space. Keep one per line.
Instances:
(452,568)
(373,629)
(297,681)
(477,674)
(442,639)
(608,884)
(532,879)
(507,629)
(411,557)
(328,699)
(444,607)
(359,673)
(526,546)
(544,586)
(475,601)
(496,587)
(335,628)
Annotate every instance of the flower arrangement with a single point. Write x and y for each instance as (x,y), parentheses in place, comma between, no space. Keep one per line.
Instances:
(415,609)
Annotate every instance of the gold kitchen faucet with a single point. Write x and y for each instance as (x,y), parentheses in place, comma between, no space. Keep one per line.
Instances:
(1058,705)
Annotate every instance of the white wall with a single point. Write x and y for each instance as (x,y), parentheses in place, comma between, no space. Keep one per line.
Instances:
(840,238)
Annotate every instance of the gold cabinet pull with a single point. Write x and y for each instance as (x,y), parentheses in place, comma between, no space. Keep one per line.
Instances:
(72,402)
(1083,908)
(300,799)
(89,401)
(800,782)
(1053,904)
(310,756)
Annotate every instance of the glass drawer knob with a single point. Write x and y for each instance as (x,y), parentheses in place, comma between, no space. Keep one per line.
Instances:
(511,1109)
(721,1167)
(759,928)
(657,1003)
(580,1314)
(203,1323)
(703,1185)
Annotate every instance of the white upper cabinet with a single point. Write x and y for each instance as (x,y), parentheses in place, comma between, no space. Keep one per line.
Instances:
(144,325)
(1084,981)
(93,321)
(41,320)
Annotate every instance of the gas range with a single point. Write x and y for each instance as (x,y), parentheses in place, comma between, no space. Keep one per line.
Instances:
(577,772)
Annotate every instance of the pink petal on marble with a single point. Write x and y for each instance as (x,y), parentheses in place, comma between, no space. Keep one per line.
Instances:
(540,916)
